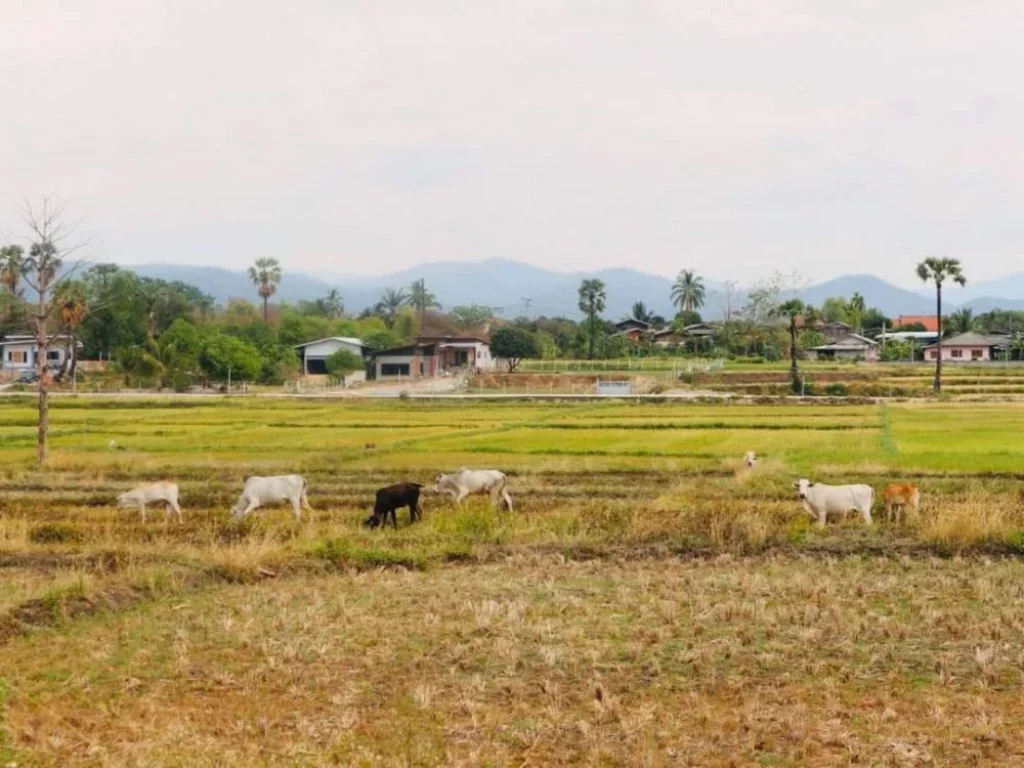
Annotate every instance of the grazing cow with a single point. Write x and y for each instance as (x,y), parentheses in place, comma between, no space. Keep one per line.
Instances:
(750,459)
(465,482)
(269,490)
(820,499)
(393,498)
(899,496)
(150,493)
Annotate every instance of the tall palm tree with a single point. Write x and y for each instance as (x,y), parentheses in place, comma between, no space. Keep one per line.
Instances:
(421,299)
(592,303)
(332,304)
(265,274)
(12,267)
(857,308)
(641,312)
(73,307)
(938,270)
(390,302)
(793,309)
(688,291)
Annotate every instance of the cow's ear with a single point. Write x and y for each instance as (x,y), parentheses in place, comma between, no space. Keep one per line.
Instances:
(811,485)
(796,485)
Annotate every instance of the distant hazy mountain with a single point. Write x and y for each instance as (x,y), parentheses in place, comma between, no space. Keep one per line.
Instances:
(506,285)
(1011,286)
(224,284)
(876,292)
(988,303)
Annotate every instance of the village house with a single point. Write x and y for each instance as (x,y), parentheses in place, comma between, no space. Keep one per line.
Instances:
(20,352)
(430,356)
(633,329)
(850,347)
(701,335)
(314,354)
(969,347)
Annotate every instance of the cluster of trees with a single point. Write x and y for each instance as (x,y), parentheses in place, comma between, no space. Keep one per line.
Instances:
(173,334)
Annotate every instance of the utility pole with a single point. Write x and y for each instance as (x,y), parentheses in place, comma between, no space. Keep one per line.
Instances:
(527,301)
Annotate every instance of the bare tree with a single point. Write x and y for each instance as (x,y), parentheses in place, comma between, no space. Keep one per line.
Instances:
(43,270)
(728,296)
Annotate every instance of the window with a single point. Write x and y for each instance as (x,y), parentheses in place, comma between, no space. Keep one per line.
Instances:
(394,369)
(18,356)
(53,354)
(977,354)
(956,353)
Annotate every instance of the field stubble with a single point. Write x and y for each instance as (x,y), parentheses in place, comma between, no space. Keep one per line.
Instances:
(643,593)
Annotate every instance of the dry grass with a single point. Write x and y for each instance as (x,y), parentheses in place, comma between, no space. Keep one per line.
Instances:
(544,662)
(594,626)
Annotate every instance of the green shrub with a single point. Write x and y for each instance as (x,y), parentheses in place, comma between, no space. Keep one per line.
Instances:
(56,533)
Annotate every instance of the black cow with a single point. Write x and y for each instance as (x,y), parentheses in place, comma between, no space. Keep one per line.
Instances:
(392,498)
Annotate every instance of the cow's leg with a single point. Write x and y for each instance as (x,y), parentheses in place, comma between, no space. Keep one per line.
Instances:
(507,499)
(867,515)
(249,507)
(460,496)
(296,508)
(821,518)
(177,510)
(305,501)
(142,510)
(394,518)
(419,511)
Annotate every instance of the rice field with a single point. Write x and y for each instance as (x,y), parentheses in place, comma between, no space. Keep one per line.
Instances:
(649,603)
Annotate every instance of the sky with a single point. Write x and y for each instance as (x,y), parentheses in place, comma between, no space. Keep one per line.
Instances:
(736,138)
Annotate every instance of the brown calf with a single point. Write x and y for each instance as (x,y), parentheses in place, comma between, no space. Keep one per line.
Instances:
(897,497)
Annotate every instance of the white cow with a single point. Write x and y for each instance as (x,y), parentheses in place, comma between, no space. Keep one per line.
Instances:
(150,493)
(270,490)
(750,459)
(820,499)
(465,482)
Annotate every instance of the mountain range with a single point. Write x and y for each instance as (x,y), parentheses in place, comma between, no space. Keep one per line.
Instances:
(513,288)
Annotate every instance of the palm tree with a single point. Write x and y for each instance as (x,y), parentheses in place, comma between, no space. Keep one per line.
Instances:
(390,302)
(641,312)
(12,267)
(162,360)
(72,307)
(961,321)
(421,299)
(592,301)
(938,269)
(332,304)
(857,308)
(792,309)
(688,291)
(265,274)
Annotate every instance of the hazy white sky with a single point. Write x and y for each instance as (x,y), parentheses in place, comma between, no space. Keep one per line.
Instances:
(352,136)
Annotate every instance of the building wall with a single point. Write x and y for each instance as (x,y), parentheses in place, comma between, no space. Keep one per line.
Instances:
(22,356)
(329,347)
(412,363)
(960,354)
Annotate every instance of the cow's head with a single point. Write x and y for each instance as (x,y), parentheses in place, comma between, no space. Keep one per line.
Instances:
(123,501)
(802,485)
(439,482)
(750,459)
(373,521)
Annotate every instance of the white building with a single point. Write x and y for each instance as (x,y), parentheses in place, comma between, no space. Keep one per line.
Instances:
(21,352)
(314,354)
